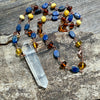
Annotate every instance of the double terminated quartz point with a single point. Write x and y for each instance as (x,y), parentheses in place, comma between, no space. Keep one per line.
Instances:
(35,65)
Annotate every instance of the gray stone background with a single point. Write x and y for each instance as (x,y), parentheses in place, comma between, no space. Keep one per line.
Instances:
(16,80)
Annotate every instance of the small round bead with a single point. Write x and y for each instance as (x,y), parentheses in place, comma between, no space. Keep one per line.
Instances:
(38,11)
(69,8)
(55,13)
(29,32)
(40,35)
(78,44)
(18,28)
(35,7)
(45,5)
(54,18)
(56,53)
(77,15)
(33,35)
(30,16)
(35,45)
(75,69)
(26,27)
(70,17)
(78,22)
(18,51)
(43,19)
(28,10)
(72,34)
(14,39)
(22,17)
(61,8)
(81,65)
(53,5)
(45,37)
(66,13)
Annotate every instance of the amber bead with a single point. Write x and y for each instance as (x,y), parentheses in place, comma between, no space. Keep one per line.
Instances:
(39,30)
(78,44)
(18,51)
(40,24)
(50,45)
(45,12)
(63,20)
(60,28)
(81,65)
(29,32)
(69,8)
(71,26)
(63,65)
(35,45)
(40,35)
(35,7)
(65,25)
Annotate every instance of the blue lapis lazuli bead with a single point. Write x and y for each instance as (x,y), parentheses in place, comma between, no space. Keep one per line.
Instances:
(14,39)
(56,53)
(27,26)
(45,5)
(33,35)
(28,10)
(70,17)
(18,28)
(38,11)
(55,13)
(72,34)
(54,18)
(45,37)
(77,15)
(75,69)
(61,8)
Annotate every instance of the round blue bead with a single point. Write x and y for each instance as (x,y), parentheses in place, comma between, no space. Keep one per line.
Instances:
(45,5)
(70,17)
(54,18)
(38,11)
(75,69)
(72,34)
(77,15)
(27,26)
(61,8)
(45,37)
(14,39)
(28,10)
(33,35)
(56,53)
(55,13)
(18,28)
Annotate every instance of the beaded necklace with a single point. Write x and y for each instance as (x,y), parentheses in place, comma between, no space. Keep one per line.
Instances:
(65,14)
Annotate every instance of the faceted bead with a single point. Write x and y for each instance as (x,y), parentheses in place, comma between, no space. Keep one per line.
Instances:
(61,8)
(18,51)
(71,26)
(66,13)
(40,35)
(35,45)
(75,69)
(72,34)
(18,28)
(33,35)
(54,18)
(69,8)
(81,65)
(45,5)
(26,27)
(63,20)
(28,10)
(53,5)
(43,19)
(40,24)
(45,12)
(70,17)
(56,53)
(78,44)
(30,16)
(78,22)
(22,17)
(55,13)
(35,7)
(14,39)
(38,11)
(45,37)
(63,65)
(77,15)
(29,32)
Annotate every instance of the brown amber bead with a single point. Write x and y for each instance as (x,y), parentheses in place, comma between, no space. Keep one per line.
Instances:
(65,25)
(60,28)
(29,32)
(50,45)
(39,30)
(40,24)
(78,44)
(45,12)
(81,65)
(71,26)
(63,20)
(35,7)
(69,8)
(40,35)
(63,65)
